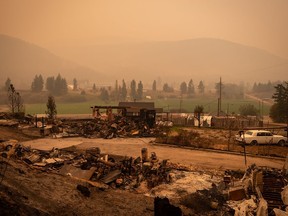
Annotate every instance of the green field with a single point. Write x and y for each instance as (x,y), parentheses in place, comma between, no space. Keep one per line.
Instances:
(186,105)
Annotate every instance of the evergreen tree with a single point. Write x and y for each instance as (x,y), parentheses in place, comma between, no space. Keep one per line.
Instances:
(40,82)
(104,95)
(201,87)
(279,110)
(34,84)
(183,88)
(51,108)
(120,92)
(123,91)
(57,86)
(75,85)
(255,87)
(154,87)
(264,87)
(50,83)
(140,91)
(190,88)
(133,93)
(167,88)
(64,87)
(116,90)
(94,88)
(37,84)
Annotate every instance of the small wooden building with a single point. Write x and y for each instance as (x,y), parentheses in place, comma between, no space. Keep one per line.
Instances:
(141,111)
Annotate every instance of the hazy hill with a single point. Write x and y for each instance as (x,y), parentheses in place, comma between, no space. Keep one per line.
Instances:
(21,61)
(200,59)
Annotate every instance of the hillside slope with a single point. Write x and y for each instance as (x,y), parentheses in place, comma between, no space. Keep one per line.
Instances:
(169,61)
(21,61)
(175,61)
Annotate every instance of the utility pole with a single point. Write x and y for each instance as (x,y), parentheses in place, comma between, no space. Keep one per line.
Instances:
(220,97)
(218,107)
(261,107)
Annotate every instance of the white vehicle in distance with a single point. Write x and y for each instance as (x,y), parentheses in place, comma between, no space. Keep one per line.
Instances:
(255,137)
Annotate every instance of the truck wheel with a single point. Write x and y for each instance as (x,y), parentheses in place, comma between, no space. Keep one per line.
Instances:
(254,142)
(281,143)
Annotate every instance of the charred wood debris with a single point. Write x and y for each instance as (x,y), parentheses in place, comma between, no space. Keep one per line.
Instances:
(105,126)
(257,191)
(92,167)
(99,128)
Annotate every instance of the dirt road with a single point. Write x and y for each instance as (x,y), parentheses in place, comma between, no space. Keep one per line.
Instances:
(133,146)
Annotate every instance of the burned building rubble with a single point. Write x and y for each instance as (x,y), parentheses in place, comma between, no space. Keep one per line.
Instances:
(92,166)
(99,128)
(126,120)
(257,191)
(261,191)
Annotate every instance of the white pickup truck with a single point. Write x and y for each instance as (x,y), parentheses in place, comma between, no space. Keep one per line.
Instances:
(255,137)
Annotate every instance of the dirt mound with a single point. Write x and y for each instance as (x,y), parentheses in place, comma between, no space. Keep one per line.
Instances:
(26,191)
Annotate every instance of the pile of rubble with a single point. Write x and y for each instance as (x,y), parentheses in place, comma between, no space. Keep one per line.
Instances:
(98,128)
(92,167)
(261,191)
(7,119)
(108,128)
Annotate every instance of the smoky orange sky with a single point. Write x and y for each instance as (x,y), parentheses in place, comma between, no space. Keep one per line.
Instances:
(60,23)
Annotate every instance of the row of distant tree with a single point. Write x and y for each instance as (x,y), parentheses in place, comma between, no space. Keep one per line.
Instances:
(264,87)
(185,88)
(58,86)
(278,111)
(120,92)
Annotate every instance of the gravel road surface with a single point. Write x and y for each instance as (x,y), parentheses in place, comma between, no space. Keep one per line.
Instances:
(132,147)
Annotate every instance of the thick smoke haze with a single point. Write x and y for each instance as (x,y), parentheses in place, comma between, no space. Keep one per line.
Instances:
(54,23)
(127,38)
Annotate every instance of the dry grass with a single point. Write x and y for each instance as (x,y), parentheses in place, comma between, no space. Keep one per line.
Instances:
(219,140)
